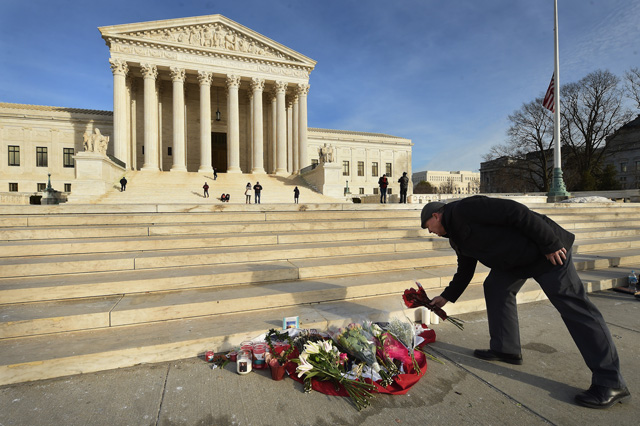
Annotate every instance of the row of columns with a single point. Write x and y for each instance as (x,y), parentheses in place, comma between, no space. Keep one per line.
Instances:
(292,128)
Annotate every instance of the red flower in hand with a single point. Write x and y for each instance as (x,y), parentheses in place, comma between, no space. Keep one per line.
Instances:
(414,298)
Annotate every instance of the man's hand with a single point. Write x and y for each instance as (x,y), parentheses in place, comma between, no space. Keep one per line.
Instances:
(438,302)
(557,257)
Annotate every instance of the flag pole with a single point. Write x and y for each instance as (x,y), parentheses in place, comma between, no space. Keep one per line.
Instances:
(558,190)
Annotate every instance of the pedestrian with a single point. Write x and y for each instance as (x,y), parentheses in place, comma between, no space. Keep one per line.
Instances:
(123,184)
(226,198)
(247,193)
(296,194)
(206,190)
(215,174)
(517,243)
(257,188)
(383,183)
(404,185)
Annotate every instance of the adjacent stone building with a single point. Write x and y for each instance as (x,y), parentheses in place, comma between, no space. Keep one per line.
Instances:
(459,182)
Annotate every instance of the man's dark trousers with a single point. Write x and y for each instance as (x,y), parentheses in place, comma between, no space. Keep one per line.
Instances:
(566,292)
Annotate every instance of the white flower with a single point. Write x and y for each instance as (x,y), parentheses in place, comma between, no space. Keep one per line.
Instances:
(312,348)
(304,366)
(327,346)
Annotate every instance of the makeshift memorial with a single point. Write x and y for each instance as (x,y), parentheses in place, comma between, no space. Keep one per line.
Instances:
(219,361)
(243,364)
(279,352)
(414,298)
(323,361)
(208,356)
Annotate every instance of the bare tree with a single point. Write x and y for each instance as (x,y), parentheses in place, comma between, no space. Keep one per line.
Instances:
(591,110)
(632,85)
(530,139)
(447,187)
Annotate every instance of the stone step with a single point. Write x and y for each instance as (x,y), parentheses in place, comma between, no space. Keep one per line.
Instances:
(139,260)
(134,306)
(61,354)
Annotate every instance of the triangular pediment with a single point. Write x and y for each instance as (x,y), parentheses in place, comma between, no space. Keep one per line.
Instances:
(212,34)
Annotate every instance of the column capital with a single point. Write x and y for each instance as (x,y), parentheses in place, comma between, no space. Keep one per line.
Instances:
(280,86)
(149,71)
(257,84)
(177,74)
(205,77)
(303,89)
(233,81)
(289,101)
(118,67)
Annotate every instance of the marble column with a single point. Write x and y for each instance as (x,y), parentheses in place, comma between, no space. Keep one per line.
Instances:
(289,134)
(204,78)
(303,91)
(150,74)
(120,140)
(274,126)
(257,86)
(281,129)
(179,163)
(233,131)
(296,136)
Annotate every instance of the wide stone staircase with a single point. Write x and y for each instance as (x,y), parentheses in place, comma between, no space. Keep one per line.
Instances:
(93,287)
(182,187)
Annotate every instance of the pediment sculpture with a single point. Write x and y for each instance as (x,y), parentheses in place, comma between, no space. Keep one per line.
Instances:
(212,35)
(95,142)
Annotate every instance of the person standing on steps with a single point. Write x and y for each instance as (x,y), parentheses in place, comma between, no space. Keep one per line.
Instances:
(215,174)
(404,185)
(383,183)
(123,184)
(517,243)
(206,190)
(257,188)
(247,193)
(296,194)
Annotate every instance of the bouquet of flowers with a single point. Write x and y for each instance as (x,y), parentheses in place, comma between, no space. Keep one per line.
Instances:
(414,298)
(389,369)
(358,343)
(405,334)
(323,361)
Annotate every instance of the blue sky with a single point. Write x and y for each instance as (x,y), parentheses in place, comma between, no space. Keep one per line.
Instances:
(443,73)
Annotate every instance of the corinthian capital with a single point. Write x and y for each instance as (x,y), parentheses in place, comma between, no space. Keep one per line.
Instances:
(177,74)
(280,86)
(257,84)
(233,81)
(303,89)
(205,77)
(149,71)
(118,67)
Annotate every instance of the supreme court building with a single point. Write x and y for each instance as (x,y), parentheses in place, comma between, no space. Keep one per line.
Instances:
(191,95)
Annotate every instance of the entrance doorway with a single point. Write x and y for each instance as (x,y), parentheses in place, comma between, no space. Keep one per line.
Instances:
(219,151)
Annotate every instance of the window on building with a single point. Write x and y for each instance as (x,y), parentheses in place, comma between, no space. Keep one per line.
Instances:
(375,191)
(374,169)
(14,155)
(67,187)
(623,167)
(360,168)
(67,157)
(389,191)
(345,168)
(42,156)
(388,168)
(13,186)
(41,187)
(361,191)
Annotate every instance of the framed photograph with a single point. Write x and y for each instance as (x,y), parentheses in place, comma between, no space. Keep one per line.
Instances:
(290,322)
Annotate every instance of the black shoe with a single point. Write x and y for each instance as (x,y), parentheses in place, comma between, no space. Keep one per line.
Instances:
(491,355)
(602,397)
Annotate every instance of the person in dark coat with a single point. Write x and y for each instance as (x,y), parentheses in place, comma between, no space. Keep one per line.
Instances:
(517,243)
(257,188)
(296,194)
(404,185)
(383,182)
(123,184)
(206,190)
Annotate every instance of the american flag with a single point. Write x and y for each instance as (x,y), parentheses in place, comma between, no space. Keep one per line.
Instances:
(548,98)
